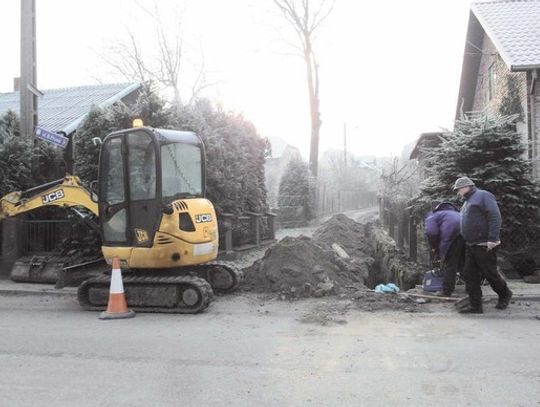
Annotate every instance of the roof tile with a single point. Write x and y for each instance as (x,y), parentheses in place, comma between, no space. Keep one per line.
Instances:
(514,27)
(63,109)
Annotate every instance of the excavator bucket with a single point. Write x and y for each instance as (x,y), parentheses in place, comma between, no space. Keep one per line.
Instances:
(55,269)
(37,269)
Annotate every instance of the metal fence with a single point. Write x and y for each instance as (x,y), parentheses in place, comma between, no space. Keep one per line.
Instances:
(520,238)
(297,210)
(45,236)
(403,227)
(330,200)
(235,233)
(245,231)
(520,235)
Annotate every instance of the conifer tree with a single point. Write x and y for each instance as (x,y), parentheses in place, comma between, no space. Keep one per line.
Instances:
(15,165)
(16,156)
(296,191)
(489,150)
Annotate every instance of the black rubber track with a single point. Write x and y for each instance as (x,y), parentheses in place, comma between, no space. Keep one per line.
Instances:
(174,284)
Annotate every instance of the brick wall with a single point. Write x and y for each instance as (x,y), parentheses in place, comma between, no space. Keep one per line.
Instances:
(490,57)
(503,89)
(535,125)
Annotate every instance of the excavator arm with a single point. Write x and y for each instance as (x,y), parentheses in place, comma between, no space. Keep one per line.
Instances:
(67,192)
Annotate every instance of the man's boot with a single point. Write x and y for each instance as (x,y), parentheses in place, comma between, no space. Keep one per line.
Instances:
(469,309)
(504,300)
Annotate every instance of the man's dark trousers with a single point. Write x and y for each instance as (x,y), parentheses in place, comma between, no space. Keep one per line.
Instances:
(452,264)
(482,263)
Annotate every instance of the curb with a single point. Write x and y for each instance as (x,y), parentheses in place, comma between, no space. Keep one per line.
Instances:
(10,292)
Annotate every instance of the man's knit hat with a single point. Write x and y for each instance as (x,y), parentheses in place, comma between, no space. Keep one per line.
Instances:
(463,182)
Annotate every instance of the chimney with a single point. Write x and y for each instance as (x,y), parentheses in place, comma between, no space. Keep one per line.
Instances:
(16,84)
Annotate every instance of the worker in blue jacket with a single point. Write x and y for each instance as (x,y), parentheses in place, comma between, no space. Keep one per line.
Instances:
(447,246)
(480,226)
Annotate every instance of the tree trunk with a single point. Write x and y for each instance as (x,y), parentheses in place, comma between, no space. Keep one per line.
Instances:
(313,89)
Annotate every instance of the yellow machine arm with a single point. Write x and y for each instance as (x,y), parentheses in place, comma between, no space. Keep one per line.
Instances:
(67,192)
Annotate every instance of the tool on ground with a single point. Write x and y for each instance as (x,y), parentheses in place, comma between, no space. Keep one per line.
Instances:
(432,297)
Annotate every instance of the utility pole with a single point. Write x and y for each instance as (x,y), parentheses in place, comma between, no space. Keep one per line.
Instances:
(28,84)
(28,90)
(345,146)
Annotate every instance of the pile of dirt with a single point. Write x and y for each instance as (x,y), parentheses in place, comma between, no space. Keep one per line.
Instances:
(346,232)
(351,237)
(335,261)
(299,267)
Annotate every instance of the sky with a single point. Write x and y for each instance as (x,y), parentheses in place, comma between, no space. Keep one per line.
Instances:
(389,70)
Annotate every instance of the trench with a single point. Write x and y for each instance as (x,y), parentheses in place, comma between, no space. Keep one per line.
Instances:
(390,264)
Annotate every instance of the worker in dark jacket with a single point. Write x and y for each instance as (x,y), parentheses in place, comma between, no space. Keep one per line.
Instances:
(480,228)
(446,243)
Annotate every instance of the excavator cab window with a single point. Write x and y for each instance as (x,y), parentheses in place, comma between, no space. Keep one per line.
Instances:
(113,211)
(181,168)
(142,168)
(128,189)
(113,167)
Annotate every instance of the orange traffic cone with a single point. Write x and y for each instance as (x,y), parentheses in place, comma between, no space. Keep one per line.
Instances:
(117,306)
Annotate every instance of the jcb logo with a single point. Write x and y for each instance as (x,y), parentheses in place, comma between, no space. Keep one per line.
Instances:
(53,196)
(203,218)
(141,235)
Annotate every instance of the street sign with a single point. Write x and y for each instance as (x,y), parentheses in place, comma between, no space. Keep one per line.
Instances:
(53,138)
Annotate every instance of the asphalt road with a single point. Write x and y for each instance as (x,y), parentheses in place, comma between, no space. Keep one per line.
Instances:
(248,350)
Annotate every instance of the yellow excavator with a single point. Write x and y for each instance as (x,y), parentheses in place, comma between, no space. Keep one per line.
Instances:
(149,199)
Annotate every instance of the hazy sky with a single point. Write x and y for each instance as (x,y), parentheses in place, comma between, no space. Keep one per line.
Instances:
(389,69)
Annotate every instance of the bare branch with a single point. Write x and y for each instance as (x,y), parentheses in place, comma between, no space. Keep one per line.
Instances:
(317,19)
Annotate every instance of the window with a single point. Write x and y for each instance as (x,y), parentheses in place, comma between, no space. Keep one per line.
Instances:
(112,177)
(114,229)
(181,170)
(142,167)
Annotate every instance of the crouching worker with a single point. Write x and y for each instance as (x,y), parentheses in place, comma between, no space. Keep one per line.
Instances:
(446,243)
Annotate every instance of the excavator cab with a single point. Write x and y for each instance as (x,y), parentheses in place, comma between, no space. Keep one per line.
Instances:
(151,199)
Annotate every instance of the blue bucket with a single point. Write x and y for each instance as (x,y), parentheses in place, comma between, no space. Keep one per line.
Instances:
(433,281)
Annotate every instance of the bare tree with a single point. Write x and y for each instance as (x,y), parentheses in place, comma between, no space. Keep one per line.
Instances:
(399,180)
(128,59)
(305,20)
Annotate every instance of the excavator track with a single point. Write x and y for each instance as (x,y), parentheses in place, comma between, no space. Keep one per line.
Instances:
(223,277)
(163,294)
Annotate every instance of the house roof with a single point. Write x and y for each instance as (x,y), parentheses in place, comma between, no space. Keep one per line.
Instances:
(425,140)
(279,146)
(514,27)
(64,109)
